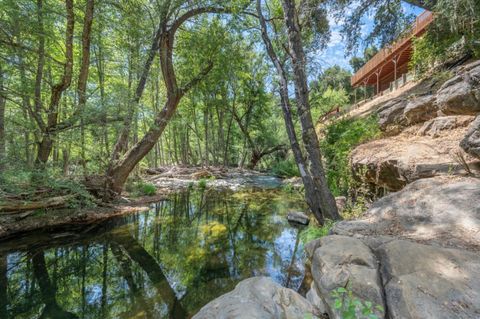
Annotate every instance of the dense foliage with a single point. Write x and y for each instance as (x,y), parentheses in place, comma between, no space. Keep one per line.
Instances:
(340,139)
(454,34)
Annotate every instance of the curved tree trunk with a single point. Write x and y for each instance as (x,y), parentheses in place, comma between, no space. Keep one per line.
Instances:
(120,169)
(45,145)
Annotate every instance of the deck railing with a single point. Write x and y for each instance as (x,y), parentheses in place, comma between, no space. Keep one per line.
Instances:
(420,24)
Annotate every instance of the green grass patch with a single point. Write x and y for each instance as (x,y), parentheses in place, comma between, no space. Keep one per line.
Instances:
(35,184)
(285,169)
(313,231)
(145,189)
(202,184)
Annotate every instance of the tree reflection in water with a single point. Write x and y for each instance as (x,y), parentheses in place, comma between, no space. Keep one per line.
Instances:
(164,263)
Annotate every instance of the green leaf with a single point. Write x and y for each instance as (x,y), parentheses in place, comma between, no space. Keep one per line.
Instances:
(337,304)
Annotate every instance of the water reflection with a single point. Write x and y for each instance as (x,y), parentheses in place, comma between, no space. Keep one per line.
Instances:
(164,263)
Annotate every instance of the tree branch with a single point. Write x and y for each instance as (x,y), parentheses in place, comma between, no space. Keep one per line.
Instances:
(200,76)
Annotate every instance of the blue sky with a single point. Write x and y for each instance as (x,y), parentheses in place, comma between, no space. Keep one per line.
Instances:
(335,52)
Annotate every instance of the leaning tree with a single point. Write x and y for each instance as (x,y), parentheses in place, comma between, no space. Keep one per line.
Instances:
(173,15)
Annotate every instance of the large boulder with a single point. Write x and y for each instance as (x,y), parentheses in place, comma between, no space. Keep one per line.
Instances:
(345,262)
(393,162)
(412,279)
(439,125)
(429,282)
(390,115)
(420,109)
(471,141)
(444,211)
(461,94)
(257,297)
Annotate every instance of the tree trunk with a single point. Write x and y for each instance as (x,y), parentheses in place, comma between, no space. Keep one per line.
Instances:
(311,195)
(83,76)
(2,121)
(21,205)
(118,174)
(101,84)
(46,143)
(309,136)
(119,170)
(122,139)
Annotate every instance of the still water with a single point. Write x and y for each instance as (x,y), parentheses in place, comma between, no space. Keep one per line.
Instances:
(163,263)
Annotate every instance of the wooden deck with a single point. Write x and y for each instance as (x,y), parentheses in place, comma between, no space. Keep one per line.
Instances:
(392,60)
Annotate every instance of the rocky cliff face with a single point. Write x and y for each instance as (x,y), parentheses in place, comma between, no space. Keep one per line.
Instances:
(430,132)
(416,252)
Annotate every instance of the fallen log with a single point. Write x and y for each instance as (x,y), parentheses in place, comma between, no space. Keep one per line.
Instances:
(20,206)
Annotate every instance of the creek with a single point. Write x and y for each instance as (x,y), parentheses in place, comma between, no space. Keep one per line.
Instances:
(166,262)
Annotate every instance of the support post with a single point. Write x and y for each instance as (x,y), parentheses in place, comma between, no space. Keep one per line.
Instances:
(395,72)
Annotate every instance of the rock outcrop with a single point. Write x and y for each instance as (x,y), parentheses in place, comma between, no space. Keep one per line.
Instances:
(418,281)
(416,252)
(393,162)
(437,126)
(471,141)
(420,109)
(429,282)
(461,94)
(258,298)
(341,261)
(444,211)
(298,218)
(390,115)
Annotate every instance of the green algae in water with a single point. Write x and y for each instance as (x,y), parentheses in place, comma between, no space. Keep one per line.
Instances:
(164,263)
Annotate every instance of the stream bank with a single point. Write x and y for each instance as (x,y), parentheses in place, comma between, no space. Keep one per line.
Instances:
(167,180)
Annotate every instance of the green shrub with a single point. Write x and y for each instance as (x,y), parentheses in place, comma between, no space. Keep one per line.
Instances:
(288,188)
(341,137)
(313,231)
(146,189)
(351,307)
(202,184)
(285,168)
